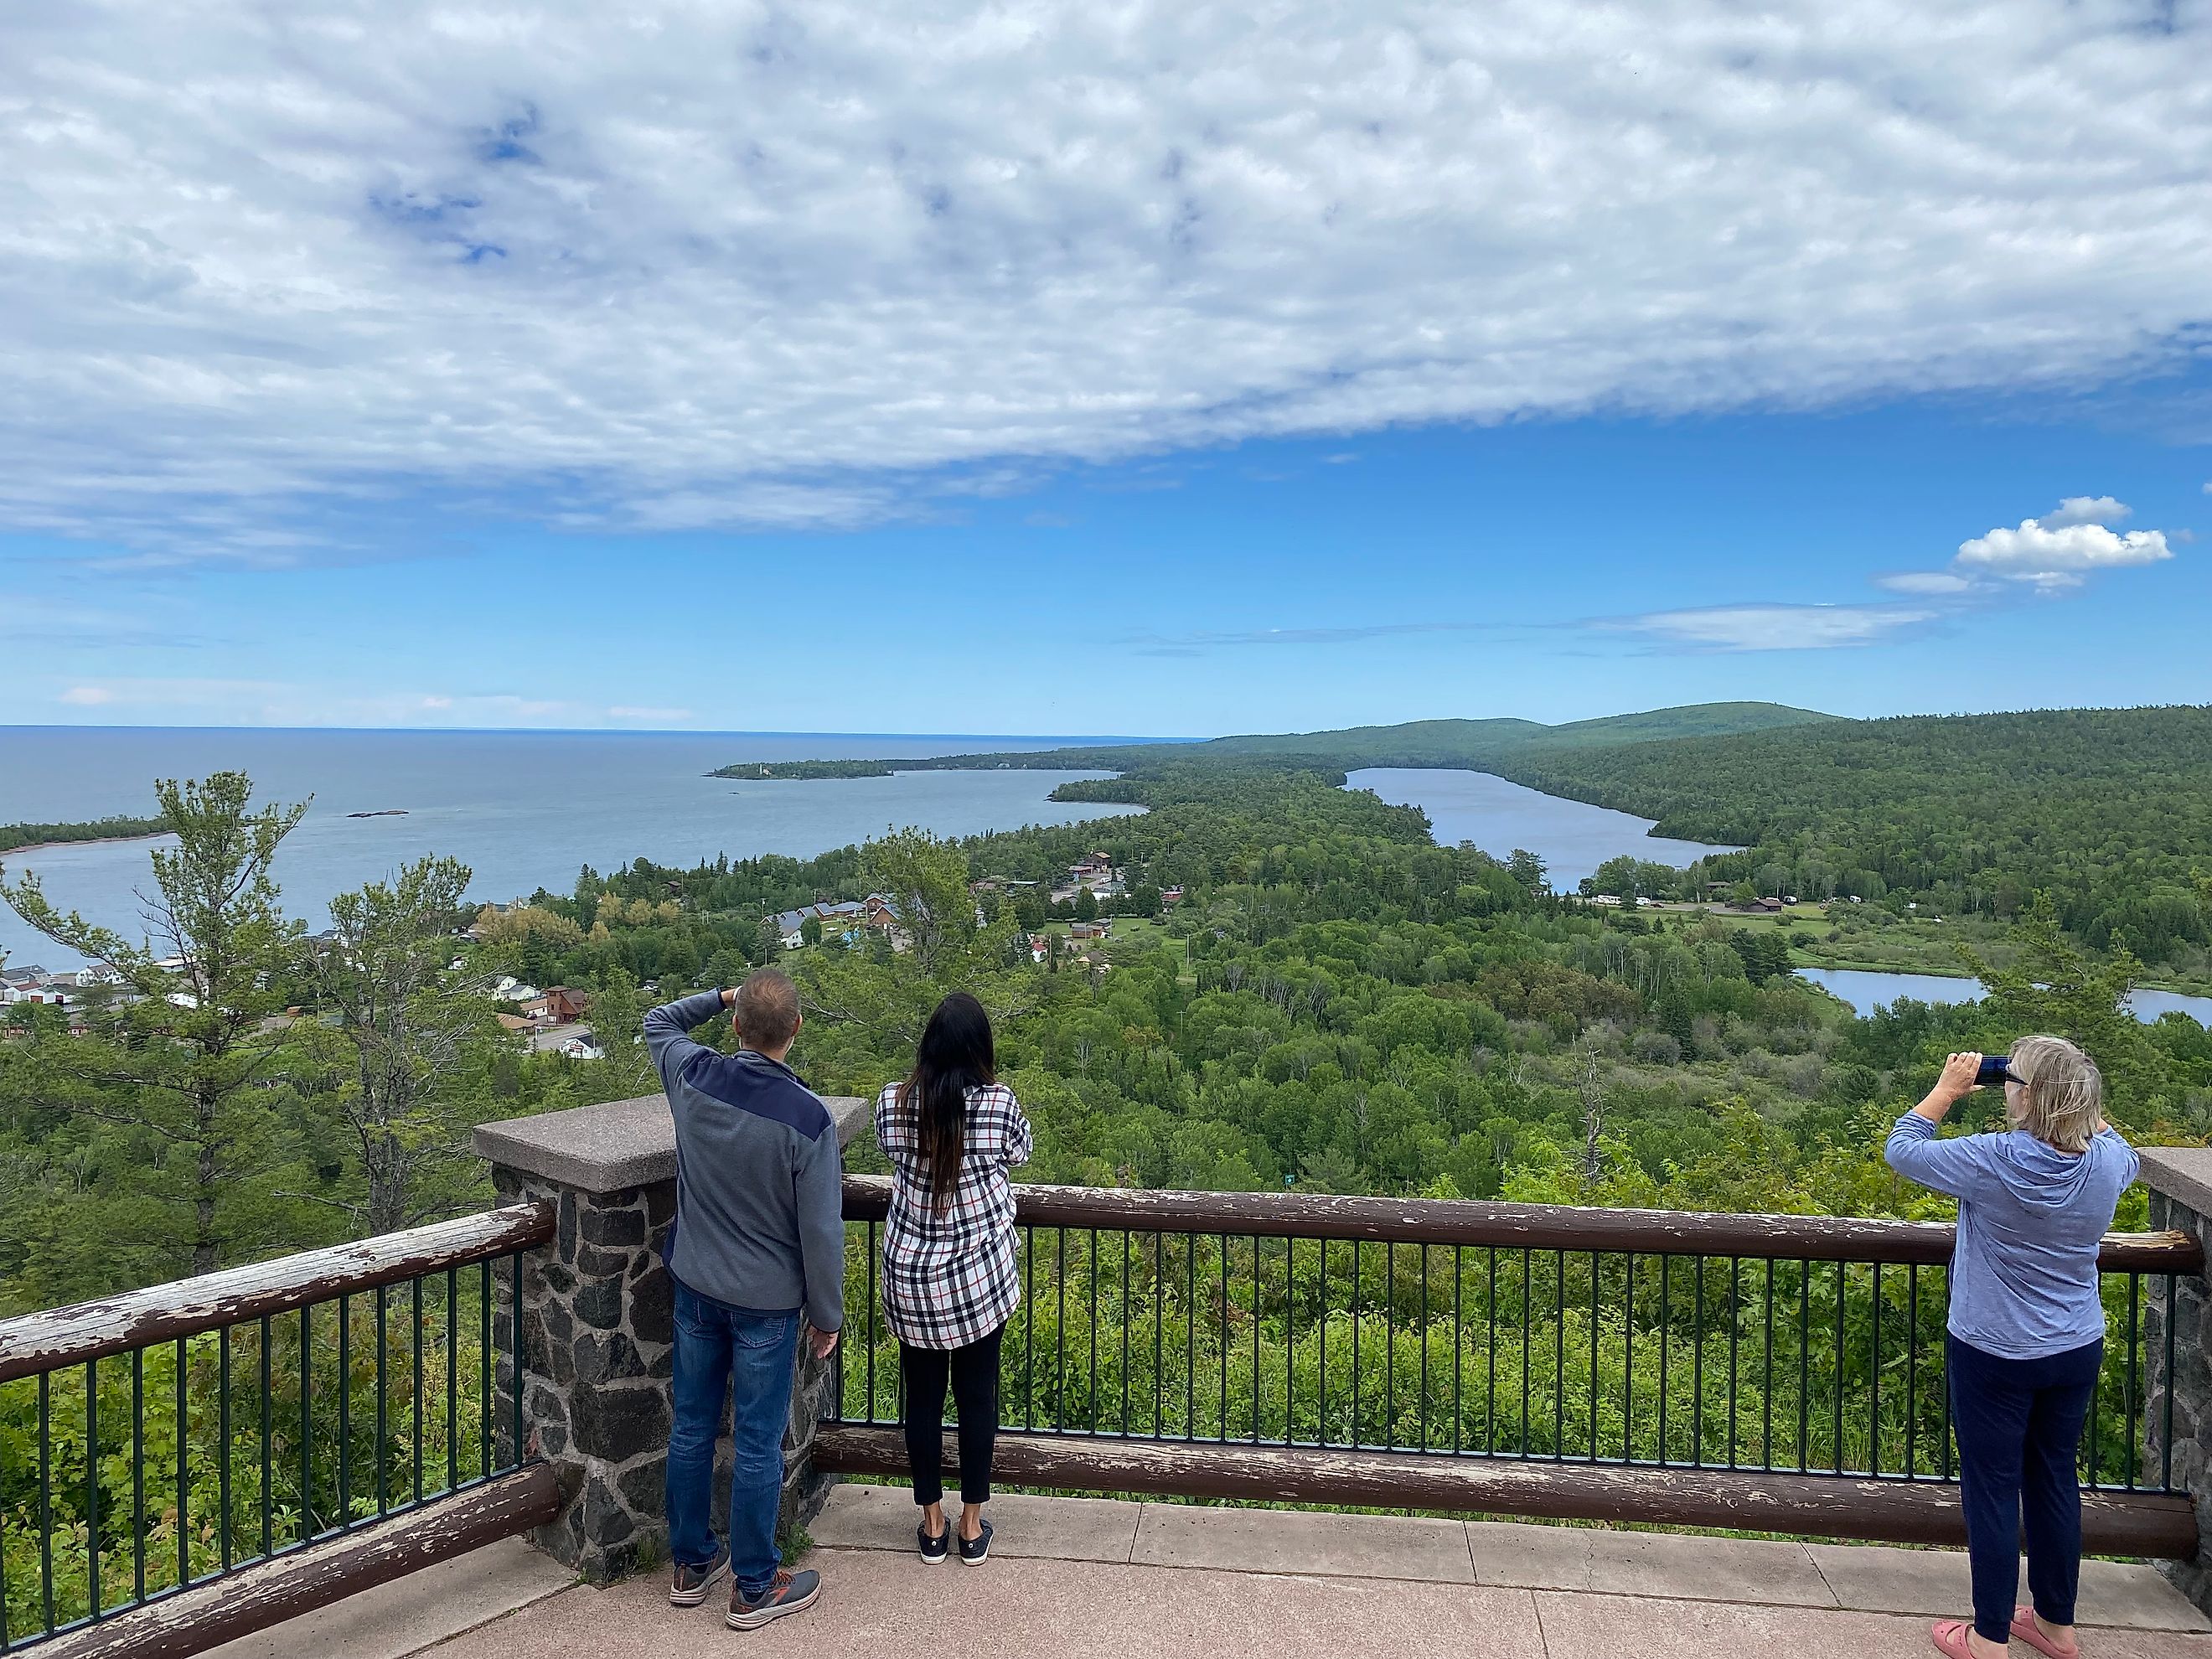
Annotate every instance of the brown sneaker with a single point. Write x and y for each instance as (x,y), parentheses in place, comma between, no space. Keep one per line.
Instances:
(793,1592)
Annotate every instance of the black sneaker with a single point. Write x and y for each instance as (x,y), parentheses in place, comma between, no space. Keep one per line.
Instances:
(691,1584)
(793,1592)
(974,1552)
(934,1550)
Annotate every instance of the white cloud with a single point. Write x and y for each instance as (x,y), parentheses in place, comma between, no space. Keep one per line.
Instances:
(1776,627)
(87,696)
(663,716)
(2059,557)
(2087,509)
(1929,582)
(680,267)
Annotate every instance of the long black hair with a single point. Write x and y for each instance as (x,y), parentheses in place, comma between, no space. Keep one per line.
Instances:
(957,1054)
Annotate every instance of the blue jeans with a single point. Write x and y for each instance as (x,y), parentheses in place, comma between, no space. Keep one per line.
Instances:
(719,1348)
(2019,1423)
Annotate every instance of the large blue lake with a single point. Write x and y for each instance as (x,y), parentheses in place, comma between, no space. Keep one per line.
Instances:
(522,809)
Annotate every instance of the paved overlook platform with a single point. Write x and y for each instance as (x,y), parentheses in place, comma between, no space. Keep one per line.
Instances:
(1101,1579)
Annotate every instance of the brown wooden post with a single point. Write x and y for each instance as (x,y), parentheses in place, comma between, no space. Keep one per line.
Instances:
(598,1332)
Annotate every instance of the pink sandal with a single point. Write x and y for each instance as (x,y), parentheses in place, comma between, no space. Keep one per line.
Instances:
(1949,1636)
(2024,1628)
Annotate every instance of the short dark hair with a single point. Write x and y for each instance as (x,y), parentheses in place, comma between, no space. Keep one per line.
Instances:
(767,1009)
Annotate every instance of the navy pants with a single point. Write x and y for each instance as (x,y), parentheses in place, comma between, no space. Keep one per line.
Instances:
(2018,1423)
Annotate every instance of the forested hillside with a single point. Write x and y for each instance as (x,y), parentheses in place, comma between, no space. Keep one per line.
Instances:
(2109,810)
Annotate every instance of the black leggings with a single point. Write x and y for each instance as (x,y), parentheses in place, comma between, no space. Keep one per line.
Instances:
(974,1373)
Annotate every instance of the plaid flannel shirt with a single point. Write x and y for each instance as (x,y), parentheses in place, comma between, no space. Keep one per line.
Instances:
(949,1275)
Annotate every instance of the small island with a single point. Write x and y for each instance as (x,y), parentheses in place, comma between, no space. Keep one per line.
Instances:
(786,771)
(381,812)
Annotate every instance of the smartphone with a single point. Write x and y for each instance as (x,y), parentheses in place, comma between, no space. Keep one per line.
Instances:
(1993,1073)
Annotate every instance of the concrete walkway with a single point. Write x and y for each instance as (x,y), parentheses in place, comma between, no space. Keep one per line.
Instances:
(1122,1580)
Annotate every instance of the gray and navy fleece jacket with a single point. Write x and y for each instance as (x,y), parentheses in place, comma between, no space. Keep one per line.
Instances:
(759,1189)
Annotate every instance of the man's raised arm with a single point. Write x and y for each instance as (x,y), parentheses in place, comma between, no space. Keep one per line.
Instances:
(668,1032)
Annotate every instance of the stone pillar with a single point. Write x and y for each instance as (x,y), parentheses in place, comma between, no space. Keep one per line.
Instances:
(2181,1183)
(597,1335)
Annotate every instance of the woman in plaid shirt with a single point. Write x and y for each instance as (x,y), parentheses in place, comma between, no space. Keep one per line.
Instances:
(951,1131)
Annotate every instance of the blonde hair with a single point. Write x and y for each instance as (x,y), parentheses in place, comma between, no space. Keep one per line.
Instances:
(2063,1097)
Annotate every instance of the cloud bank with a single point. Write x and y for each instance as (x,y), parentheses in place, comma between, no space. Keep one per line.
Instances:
(678,266)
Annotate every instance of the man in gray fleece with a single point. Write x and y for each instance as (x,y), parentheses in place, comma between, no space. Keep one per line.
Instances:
(758,1240)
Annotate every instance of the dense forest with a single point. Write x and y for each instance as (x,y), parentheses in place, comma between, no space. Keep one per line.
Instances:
(1333,1004)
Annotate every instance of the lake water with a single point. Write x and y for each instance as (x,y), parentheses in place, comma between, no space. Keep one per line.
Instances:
(1867,989)
(1572,837)
(522,809)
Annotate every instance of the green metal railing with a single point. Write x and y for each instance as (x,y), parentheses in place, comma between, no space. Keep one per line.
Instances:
(162,1440)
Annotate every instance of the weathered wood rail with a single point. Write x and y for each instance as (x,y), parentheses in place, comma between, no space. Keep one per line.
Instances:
(2145,1524)
(116,1324)
(254,1598)
(1540,1227)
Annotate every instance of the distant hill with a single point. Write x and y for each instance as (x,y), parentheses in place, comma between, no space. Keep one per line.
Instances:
(1467,743)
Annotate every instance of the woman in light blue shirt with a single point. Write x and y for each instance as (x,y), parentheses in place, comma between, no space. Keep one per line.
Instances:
(2026,1330)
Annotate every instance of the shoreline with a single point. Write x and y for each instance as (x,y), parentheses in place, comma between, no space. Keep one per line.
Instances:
(89,840)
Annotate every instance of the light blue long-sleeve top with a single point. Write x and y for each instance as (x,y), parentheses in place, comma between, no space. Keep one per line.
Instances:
(2024,1272)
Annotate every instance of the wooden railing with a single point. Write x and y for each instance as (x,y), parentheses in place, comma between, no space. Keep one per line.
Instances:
(1773,1373)
(251,1422)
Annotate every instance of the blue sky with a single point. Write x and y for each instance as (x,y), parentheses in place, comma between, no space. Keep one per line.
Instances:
(791,372)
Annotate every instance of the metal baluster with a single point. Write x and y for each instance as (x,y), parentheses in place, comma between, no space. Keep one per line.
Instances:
(2166,1439)
(1092,1418)
(1159,1337)
(92,1485)
(869,1416)
(223,1444)
(1290,1340)
(137,1474)
(1766,1388)
(1355,1344)
(184,1472)
(484,1361)
(1459,1342)
(1666,1335)
(1628,1362)
(1736,1321)
(1804,1364)
(268,1448)
(1320,1346)
(344,1515)
(1029,1327)
(1490,1395)
(1060,1338)
(1946,1470)
(452,1368)
(1912,1367)
(47,1496)
(1221,1426)
(514,1335)
(1697,1363)
(1124,1322)
(1527,1261)
(383,1401)
(2132,1454)
(414,1319)
(1839,1367)
(307,1428)
(1424,1347)
(1558,1355)
(1190,1336)
(1873,1381)
(1255,1342)
(1593,1356)
(1390,1345)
